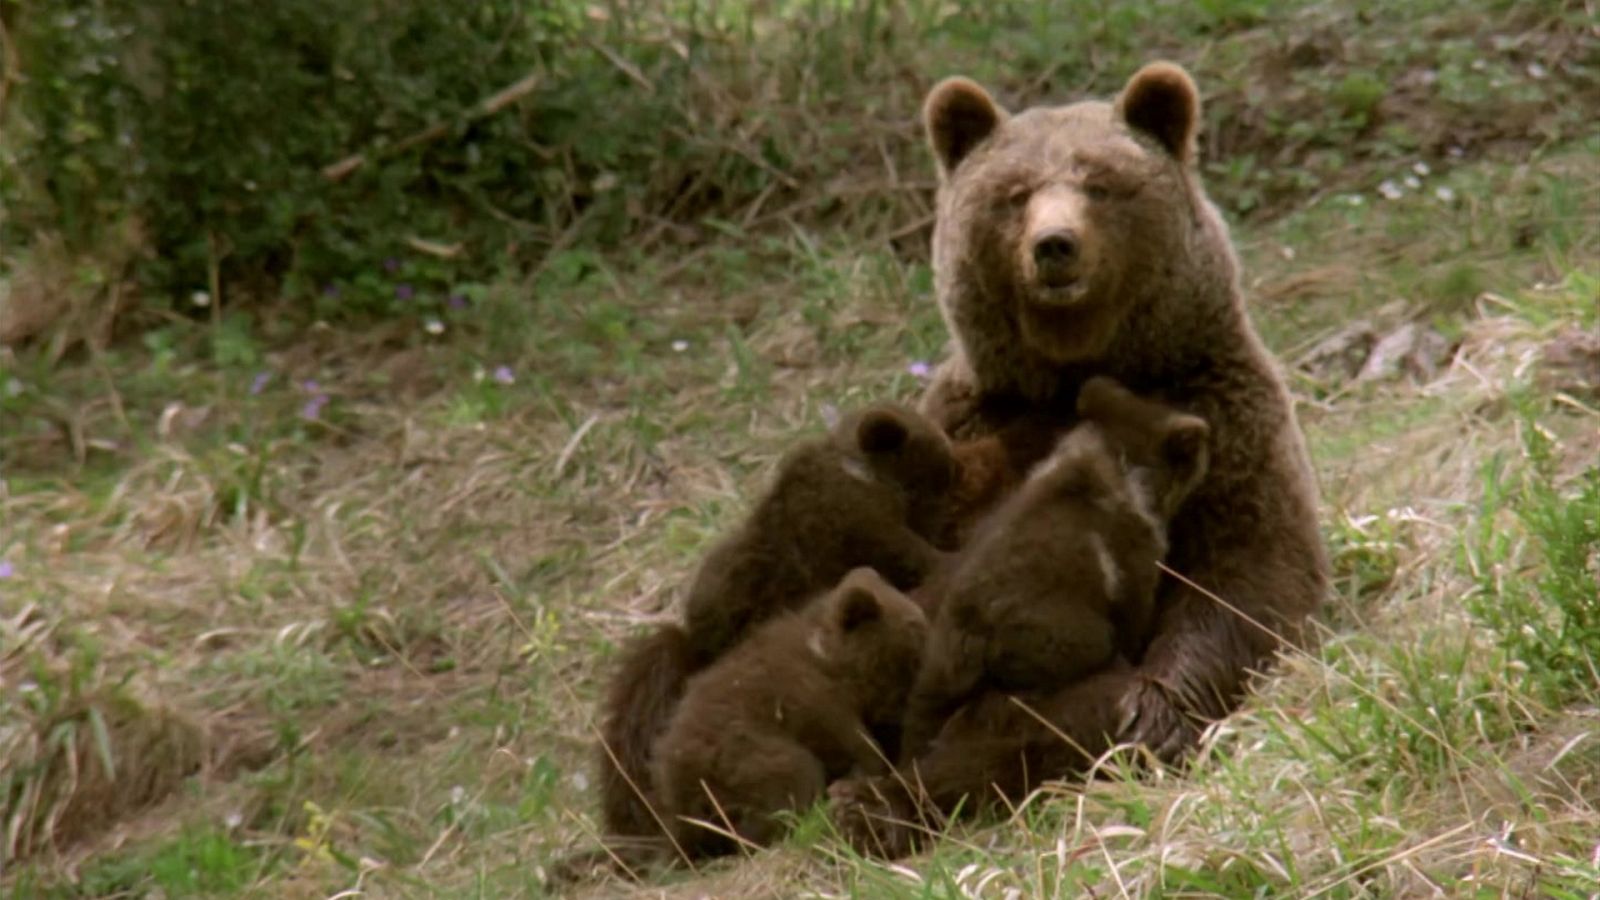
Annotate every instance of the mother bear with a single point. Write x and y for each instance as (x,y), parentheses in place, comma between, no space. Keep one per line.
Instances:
(1073,241)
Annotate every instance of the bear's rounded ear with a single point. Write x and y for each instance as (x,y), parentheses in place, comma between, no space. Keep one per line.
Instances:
(881,431)
(958,115)
(857,607)
(1183,447)
(1162,101)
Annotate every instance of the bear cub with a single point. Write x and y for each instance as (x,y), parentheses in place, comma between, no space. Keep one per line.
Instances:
(1062,577)
(874,492)
(767,727)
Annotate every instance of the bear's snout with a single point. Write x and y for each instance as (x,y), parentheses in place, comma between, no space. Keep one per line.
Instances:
(1055,257)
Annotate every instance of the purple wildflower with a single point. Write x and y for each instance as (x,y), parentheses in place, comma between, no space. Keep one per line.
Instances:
(313,408)
(458,301)
(330,290)
(7,569)
(919,368)
(310,386)
(504,375)
(391,265)
(404,292)
(259,383)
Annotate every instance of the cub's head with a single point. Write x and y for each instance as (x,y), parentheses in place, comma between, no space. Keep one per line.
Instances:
(871,636)
(1166,451)
(898,447)
(1055,212)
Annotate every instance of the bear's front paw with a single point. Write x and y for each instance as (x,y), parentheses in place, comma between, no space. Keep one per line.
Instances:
(876,816)
(952,399)
(1150,717)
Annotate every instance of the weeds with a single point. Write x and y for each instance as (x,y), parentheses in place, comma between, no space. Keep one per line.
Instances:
(1539,574)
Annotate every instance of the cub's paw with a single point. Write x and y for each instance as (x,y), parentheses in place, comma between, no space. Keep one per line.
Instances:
(1150,717)
(951,398)
(876,816)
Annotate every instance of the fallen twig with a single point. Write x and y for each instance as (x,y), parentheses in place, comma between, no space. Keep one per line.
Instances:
(490,105)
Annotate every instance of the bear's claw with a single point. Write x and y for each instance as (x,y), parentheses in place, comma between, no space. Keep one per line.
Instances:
(876,816)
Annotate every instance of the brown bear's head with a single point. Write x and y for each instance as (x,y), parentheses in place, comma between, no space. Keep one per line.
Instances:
(1052,220)
(1165,450)
(903,449)
(872,636)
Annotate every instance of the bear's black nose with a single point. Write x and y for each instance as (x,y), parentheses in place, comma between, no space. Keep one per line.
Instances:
(1055,249)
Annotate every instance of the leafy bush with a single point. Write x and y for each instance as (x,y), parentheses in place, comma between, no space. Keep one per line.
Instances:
(301,147)
(1545,610)
(210,123)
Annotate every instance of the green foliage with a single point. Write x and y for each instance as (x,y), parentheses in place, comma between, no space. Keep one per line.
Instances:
(1545,607)
(197,861)
(211,124)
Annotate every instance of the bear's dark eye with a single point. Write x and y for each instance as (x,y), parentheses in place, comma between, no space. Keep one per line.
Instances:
(1097,192)
(1018,196)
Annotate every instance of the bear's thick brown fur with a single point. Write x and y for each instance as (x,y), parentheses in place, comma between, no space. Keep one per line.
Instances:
(993,465)
(639,701)
(1077,240)
(767,727)
(1062,578)
(876,491)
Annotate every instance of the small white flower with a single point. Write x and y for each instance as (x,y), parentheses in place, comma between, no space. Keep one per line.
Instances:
(1413,182)
(680,345)
(1354,199)
(1444,193)
(580,781)
(14,387)
(1390,190)
(1536,71)
(605,182)
(457,794)
(433,326)
(200,299)
(233,820)
(1421,168)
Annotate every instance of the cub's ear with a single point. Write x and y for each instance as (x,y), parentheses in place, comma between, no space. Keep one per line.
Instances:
(1183,447)
(858,606)
(1075,467)
(1162,101)
(881,431)
(958,115)
(1099,395)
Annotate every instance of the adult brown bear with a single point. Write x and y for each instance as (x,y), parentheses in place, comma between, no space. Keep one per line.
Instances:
(1075,241)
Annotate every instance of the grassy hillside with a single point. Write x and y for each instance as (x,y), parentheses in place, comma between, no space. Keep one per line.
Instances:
(290,608)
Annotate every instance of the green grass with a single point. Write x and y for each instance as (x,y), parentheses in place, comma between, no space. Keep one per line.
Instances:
(391,620)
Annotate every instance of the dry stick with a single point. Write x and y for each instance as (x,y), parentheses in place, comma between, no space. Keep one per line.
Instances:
(13,70)
(625,67)
(726,829)
(494,103)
